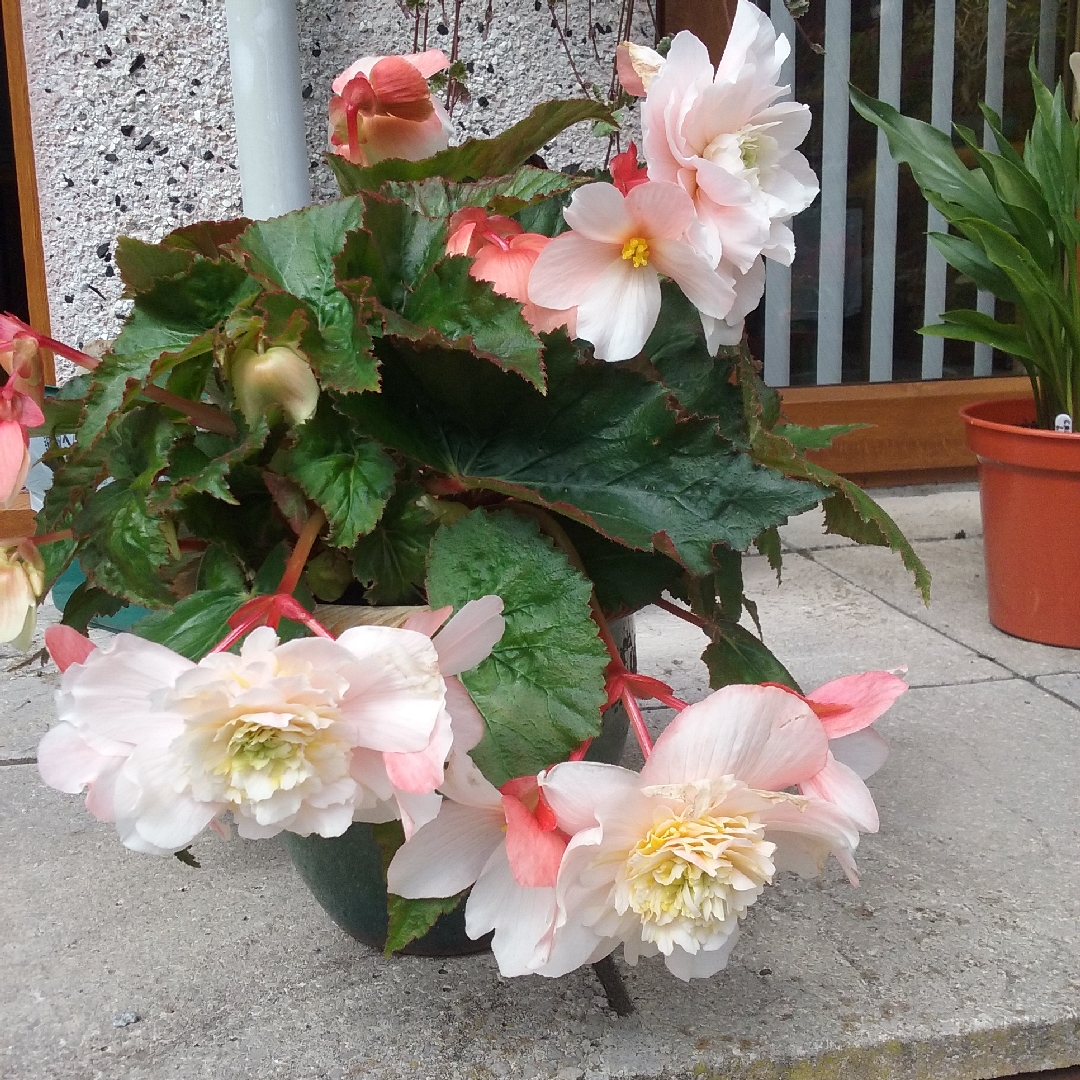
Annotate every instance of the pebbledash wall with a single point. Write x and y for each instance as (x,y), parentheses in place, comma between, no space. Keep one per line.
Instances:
(133,123)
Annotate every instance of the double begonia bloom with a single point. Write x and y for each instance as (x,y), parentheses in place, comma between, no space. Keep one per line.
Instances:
(670,859)
(383,108)
(273,734)
(22,581)
(609,264)
(723,135)
(846,708)
(504,255)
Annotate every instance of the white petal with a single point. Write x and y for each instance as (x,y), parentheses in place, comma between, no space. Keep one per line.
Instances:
(65,760)
(521,918)
(417,810)
(841,786)
(702,964)
(599,212)
(763,735)
(445,855)
(862,751)
(568,268)
(466,721)
(660,211)
(470,635)
(466,784)
(620,310)
(575,789)
(707,290)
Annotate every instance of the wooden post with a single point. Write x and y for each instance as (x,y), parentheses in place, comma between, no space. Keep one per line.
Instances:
(26,176)
(709,21)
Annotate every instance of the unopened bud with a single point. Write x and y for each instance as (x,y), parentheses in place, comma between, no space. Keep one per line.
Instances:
(22,581)
(637,66)
(276,379)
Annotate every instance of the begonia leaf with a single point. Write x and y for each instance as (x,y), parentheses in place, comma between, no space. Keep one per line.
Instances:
(736,656)
(541,689)
(475,158)
(390,561)
(349,475)
(412,919)
(142,265)
(195,624)
(86,603)
(583,451)
(436,197)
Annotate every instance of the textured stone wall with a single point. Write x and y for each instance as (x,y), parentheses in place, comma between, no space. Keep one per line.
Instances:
(133,123)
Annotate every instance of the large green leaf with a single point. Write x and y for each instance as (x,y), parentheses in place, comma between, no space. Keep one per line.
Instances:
(541,689)
(969,259)
(347,474)
(604,448)
(736,656)
(436,197)
(975,326)
(194,625)
(475,158)
(390,561)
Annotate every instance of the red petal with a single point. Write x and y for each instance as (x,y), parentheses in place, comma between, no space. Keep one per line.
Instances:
(401,90)
(67,646)
(533,853)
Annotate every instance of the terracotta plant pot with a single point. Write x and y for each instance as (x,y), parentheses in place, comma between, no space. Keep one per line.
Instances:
(1029,485)
(345,872)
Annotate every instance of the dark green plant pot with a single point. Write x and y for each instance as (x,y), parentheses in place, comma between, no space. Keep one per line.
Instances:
(345,873)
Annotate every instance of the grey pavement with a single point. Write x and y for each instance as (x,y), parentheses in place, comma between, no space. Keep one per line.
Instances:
(957,959)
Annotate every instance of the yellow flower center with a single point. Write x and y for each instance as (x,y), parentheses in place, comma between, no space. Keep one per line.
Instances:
(637,249)
(690,878)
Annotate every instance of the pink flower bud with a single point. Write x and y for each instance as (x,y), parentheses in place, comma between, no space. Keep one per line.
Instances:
(277,379)
(22,582)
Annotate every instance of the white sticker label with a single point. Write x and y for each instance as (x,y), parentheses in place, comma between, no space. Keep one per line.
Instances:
(1063,422)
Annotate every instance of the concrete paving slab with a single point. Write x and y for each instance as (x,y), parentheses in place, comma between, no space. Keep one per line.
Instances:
(1066,686)
(26,690)
(822,627)
(958,601)
(956,960)
(939,515)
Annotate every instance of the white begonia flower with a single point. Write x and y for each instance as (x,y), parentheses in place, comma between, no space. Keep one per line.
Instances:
(165,745)
(670,859)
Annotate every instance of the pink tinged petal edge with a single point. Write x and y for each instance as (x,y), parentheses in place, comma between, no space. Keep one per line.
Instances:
(67,646)
(841,786)
(711,293)
(863,751)
(522,918)
(446,855)
(600,212)
(620,310)
(468,638)
(422,771)
(660,211)
(763,735)
(428,622)
(533,854)
(14,459)
(575,789)
(868,695)
(568,268)
(427,63)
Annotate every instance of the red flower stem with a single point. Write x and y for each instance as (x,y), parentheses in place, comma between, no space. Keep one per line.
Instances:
(204,416)
(233,636)
(671,701)
(49,538)
(637,722)
(304,543)
(682,613)
(581,751)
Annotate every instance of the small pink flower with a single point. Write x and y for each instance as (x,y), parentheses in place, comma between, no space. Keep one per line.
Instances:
(382,108)
(18,412)
(609,264)
(504,255)
(625,171)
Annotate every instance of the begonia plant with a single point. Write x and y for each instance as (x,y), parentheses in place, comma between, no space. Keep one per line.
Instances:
(488,406)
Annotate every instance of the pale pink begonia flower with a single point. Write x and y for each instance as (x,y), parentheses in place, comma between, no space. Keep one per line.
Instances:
(749,289)
(18,413)
(504,255)
(405,783)
(847,708)
(383,108)
(166,745)
(608,265)
(670,859)
(22,581)
(724,136)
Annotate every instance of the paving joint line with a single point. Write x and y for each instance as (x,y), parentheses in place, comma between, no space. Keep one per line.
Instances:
(18,761)
(808,554)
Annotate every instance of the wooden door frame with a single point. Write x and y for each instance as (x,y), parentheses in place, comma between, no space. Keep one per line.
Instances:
(26,173)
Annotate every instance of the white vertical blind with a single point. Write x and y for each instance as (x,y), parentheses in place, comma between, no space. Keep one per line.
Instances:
(778,277)
(941,98)
(882,303)
(834,149)
(1047,61)
(994,96)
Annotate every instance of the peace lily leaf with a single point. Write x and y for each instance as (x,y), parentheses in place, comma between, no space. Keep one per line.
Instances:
(475,158)
(347,474)
(541,689)
(391,560)
(194,625)
(969,259)
(975,326)
(582,451)
(736,656)
(412,919)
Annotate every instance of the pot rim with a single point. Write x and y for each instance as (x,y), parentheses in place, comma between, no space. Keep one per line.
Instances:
(970,415)
(994,432)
